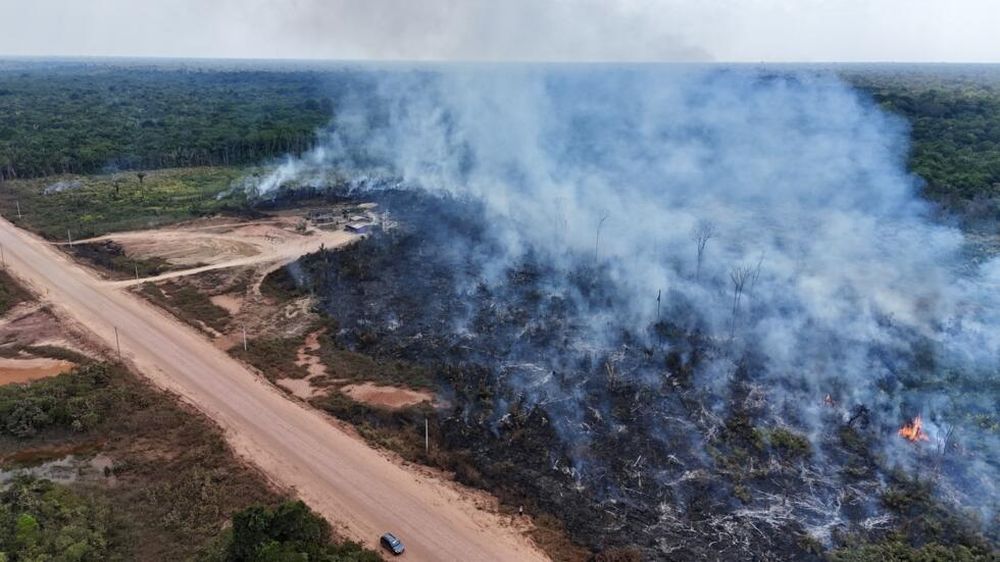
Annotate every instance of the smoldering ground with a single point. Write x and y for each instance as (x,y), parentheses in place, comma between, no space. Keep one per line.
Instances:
(600,235)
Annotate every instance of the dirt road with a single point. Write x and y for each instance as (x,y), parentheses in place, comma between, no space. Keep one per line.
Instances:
(200,248)
(359,489)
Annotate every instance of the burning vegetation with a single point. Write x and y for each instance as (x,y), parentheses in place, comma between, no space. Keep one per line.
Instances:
(631,324)
(913,431)
(624,441)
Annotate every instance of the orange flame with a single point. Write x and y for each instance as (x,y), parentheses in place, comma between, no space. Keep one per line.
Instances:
(914,431)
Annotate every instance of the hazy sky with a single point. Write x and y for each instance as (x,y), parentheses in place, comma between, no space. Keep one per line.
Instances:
(646,30)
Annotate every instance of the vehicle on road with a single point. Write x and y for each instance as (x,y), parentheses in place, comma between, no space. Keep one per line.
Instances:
(392,544)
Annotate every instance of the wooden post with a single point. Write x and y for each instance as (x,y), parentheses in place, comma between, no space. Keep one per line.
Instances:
(18,203)
(69,237)
(427,437)
(118,344)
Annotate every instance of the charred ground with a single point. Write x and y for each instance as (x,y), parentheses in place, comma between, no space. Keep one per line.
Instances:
(625,439)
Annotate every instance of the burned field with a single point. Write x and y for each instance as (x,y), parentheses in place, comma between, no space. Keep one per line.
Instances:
(555,402)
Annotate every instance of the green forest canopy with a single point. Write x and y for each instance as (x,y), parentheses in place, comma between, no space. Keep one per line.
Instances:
(86,118)
(954,115)
(99,117)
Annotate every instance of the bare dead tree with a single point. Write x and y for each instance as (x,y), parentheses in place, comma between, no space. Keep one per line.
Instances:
(756,276)
(946,439)
(612,374)
(597,240)
(560,220)
(701,234)
(739,276)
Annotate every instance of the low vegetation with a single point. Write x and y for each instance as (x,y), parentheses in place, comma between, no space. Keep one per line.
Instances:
(11,292)
(288,532)
(169,492)
(188,304)
(110,259)
(78,207)
(42,520)
(347,365)
(80,402)
(175,482)
(788,444)
(899,551)
(170,488)
(273,356)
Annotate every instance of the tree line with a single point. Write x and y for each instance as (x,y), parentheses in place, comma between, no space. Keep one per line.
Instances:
(954,118)
(84,119)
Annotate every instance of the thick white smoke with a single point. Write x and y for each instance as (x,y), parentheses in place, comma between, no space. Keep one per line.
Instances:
(802,180)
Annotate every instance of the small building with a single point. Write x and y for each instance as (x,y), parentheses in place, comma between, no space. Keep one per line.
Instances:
(358,227)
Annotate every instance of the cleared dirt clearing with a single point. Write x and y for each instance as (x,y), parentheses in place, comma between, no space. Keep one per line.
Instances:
(25,370)
(389,397)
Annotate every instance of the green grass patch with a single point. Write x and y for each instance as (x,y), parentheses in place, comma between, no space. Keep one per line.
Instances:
(88,206)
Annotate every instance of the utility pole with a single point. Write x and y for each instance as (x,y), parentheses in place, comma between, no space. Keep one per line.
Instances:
(118,344)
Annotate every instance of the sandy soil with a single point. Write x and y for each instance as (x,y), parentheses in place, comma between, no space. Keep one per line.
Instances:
(209,244)
(300,387)
(230,302)
(33,324)
(362,491)
(389,397)
(25,370)
(307,356)
(69,469)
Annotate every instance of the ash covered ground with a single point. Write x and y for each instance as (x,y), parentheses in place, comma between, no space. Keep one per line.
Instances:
(688,310)
(625,439)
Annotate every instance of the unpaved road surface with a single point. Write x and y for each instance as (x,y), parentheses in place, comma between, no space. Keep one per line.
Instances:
(201,248)
(359,489)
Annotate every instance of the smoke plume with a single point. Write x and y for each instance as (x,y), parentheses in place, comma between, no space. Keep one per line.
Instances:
(773,211)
